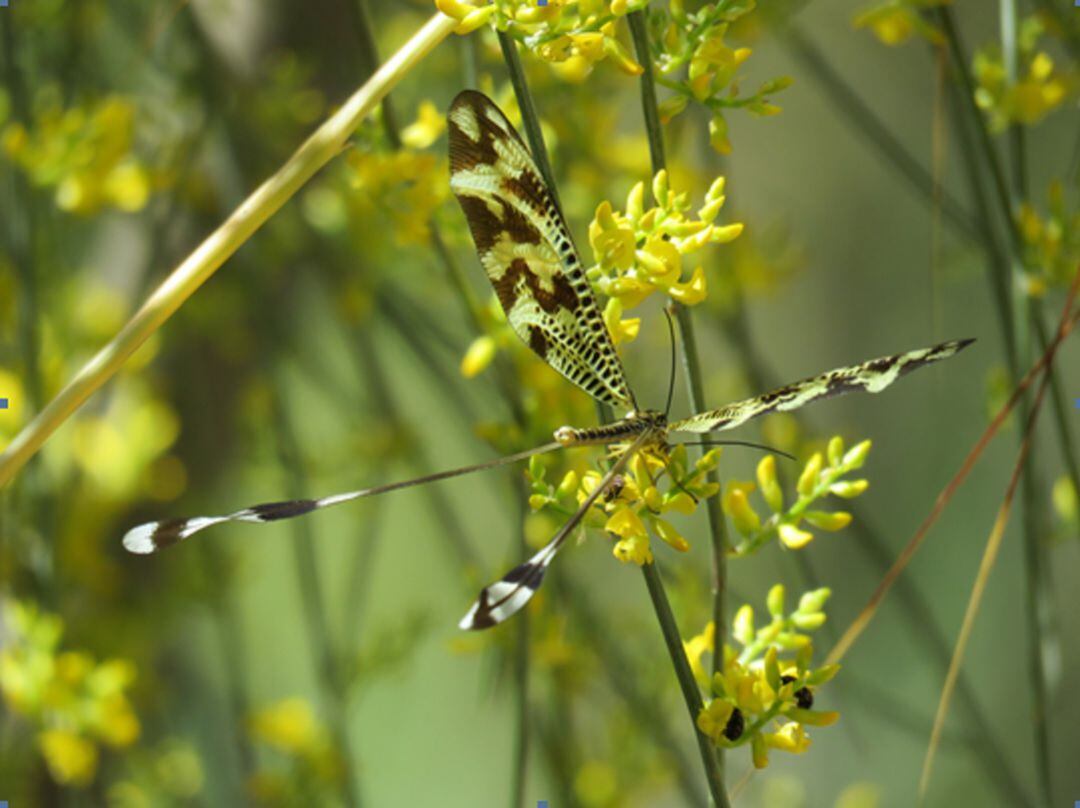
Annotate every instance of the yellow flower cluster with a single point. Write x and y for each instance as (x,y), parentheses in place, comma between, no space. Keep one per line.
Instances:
(822,475)
(574,35)
(1052,242)
(632,509)
(1039,90)
(896,21)
(170,773)
(640,251)
(290,728)
(85,153)
(400,187)
(74,704)
(697,42)
(759,698)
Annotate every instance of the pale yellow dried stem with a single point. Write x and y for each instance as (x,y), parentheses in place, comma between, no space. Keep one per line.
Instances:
(986,566)
(326,143)
(862,620)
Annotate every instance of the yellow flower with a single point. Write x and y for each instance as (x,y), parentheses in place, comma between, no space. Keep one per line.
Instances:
(790,738)
(425,130)
(288,725)
(737,506)
(896,21)
(666,531)
(714,717)
(84,152)
(117,724)
(72,760)
(478,356)
(640,252)
(625,523)
(794,537)
(634,549)
(697,646)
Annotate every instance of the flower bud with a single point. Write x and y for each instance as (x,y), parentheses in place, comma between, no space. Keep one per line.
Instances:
(793,537)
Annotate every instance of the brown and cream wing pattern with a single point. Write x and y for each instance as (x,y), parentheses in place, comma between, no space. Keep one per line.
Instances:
(871,377)
(526,250)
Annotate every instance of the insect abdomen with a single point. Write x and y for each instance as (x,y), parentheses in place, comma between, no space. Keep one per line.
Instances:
(609,433)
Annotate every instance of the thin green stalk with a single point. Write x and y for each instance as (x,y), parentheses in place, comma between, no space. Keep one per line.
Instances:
(522,656)
(521,650)
(876,132)
(325,144)
(997,264)
(529,117)
(688,344)
(328,669)
(23,222)
(1061,410)
(962,71)
(646,709)
(997,766)
(687,684)
(1037,604)
(369,368)
(230,637)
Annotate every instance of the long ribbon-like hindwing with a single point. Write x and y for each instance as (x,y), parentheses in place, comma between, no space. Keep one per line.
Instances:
(154,536)
(510,593)
(871,377)
(526,250)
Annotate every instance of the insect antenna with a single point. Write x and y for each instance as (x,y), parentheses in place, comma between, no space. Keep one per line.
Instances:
(671,375)
(749,444)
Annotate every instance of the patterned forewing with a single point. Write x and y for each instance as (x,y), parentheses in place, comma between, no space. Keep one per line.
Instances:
(526,250)
(871,377)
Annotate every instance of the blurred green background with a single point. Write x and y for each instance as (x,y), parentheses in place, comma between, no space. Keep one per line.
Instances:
(277,663)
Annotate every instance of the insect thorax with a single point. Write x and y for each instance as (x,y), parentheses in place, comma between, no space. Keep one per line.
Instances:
(634,424)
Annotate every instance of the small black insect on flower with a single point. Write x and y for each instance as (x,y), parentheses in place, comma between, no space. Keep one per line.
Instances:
(735,725)
(803,697)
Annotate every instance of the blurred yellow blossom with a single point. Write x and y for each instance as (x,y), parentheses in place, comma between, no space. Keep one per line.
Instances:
(1051,241)
(404,187)
(74,703)
(310,765)
(72,760)
(288,725)
(696,42)
(430,123)
(85,153)
(894,22)
(573,36)
(1039,89)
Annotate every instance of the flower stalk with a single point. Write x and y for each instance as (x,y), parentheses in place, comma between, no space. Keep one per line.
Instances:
(318,150)
(714,774)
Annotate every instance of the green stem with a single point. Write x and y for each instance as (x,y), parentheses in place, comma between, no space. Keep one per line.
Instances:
(327,665)
(689,349)
(521,649)
(1038,605)
(714,775)
(876,132)
(643,706)
(230,636)
(1008,196)
(914,608)
(529,117)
